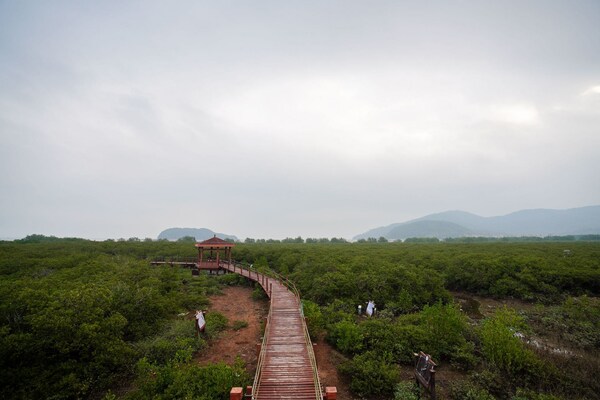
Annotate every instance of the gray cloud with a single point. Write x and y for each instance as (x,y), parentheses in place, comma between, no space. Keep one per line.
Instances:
(292,118)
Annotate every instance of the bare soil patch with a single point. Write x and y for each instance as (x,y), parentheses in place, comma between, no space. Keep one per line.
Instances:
(237,304)
(327,361)
(477,307)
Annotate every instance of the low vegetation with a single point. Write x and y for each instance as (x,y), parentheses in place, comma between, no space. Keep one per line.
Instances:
(79,318)
(82,319)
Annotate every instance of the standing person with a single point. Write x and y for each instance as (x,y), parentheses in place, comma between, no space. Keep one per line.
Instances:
(200,322)
(370,308)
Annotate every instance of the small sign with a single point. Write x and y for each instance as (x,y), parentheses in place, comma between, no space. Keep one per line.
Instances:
(425,372)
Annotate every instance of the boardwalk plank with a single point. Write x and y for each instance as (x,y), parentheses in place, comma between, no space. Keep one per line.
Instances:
(287,372)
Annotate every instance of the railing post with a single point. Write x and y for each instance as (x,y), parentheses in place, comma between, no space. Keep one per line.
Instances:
(235,393)
(330,393)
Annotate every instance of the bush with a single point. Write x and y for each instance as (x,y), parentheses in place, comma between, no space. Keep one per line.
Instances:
(237,325)
(464,357)
(177,337)
(233,280)
(577,321)
(215,323)
(188,381)
(531,395)
(501,344)
(445,327)
(401,338)
(347,337)
(466,390)
(407,391)
(314,318)
(259,294)
(372,374)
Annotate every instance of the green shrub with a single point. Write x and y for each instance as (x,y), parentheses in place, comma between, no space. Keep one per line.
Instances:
(464,357)
(532,395)
(337,311)
(445,326)
(467,390)
(314,318)
(406,391)
(577,321)
(232,280)
(237,325)
(187,381)
(178,336)
(347,337)
(259,294)
(215,323)
(400,338)
(501,345)
(372,374)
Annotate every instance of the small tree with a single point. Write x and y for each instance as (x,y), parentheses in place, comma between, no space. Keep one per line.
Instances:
(501,343)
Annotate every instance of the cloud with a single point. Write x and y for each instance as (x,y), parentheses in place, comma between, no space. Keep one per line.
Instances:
(593,90)
(292,118)
(518,114)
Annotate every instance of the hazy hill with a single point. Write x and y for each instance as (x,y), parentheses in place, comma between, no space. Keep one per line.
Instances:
(539,222)
(199,233)
(439,229)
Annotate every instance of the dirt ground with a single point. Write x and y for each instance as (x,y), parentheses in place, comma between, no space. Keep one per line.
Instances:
(236,304)
(478,307)
(327,359)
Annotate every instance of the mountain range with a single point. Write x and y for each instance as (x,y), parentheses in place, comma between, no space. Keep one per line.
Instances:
(538,222)
(199,233)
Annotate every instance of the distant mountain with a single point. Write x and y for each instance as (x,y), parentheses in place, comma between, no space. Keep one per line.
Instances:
(539,222)
(439,229)
(199,233)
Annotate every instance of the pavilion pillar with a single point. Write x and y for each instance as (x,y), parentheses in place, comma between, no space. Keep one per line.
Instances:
(218,252)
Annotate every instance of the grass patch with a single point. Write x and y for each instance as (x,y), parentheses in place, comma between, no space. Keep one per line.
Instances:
(237,325)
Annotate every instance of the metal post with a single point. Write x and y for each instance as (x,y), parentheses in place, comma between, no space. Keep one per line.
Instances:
(432,385)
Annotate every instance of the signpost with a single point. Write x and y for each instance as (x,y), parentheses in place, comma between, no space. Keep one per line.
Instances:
(425,373)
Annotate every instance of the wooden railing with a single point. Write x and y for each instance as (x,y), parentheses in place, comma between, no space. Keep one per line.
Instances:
(292,288)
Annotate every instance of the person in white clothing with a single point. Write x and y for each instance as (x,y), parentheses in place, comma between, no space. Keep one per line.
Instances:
(370,308)
(200,322)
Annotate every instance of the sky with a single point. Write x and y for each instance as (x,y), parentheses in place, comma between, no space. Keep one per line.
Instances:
(274,119)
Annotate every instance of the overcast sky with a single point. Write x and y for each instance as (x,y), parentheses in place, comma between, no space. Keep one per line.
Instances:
(270,119)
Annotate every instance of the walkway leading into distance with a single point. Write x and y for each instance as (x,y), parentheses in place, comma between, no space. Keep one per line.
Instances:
(286,365)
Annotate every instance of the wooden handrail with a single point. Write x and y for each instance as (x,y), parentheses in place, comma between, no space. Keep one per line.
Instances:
(309,346)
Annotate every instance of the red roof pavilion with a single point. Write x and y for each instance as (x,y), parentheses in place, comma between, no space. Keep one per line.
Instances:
(213,244)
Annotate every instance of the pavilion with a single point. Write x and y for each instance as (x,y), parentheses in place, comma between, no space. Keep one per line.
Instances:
(212,246)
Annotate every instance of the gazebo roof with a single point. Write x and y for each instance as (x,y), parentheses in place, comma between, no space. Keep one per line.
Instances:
(214,242)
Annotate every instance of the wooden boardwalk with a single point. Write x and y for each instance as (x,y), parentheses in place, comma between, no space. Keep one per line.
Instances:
(286,365)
